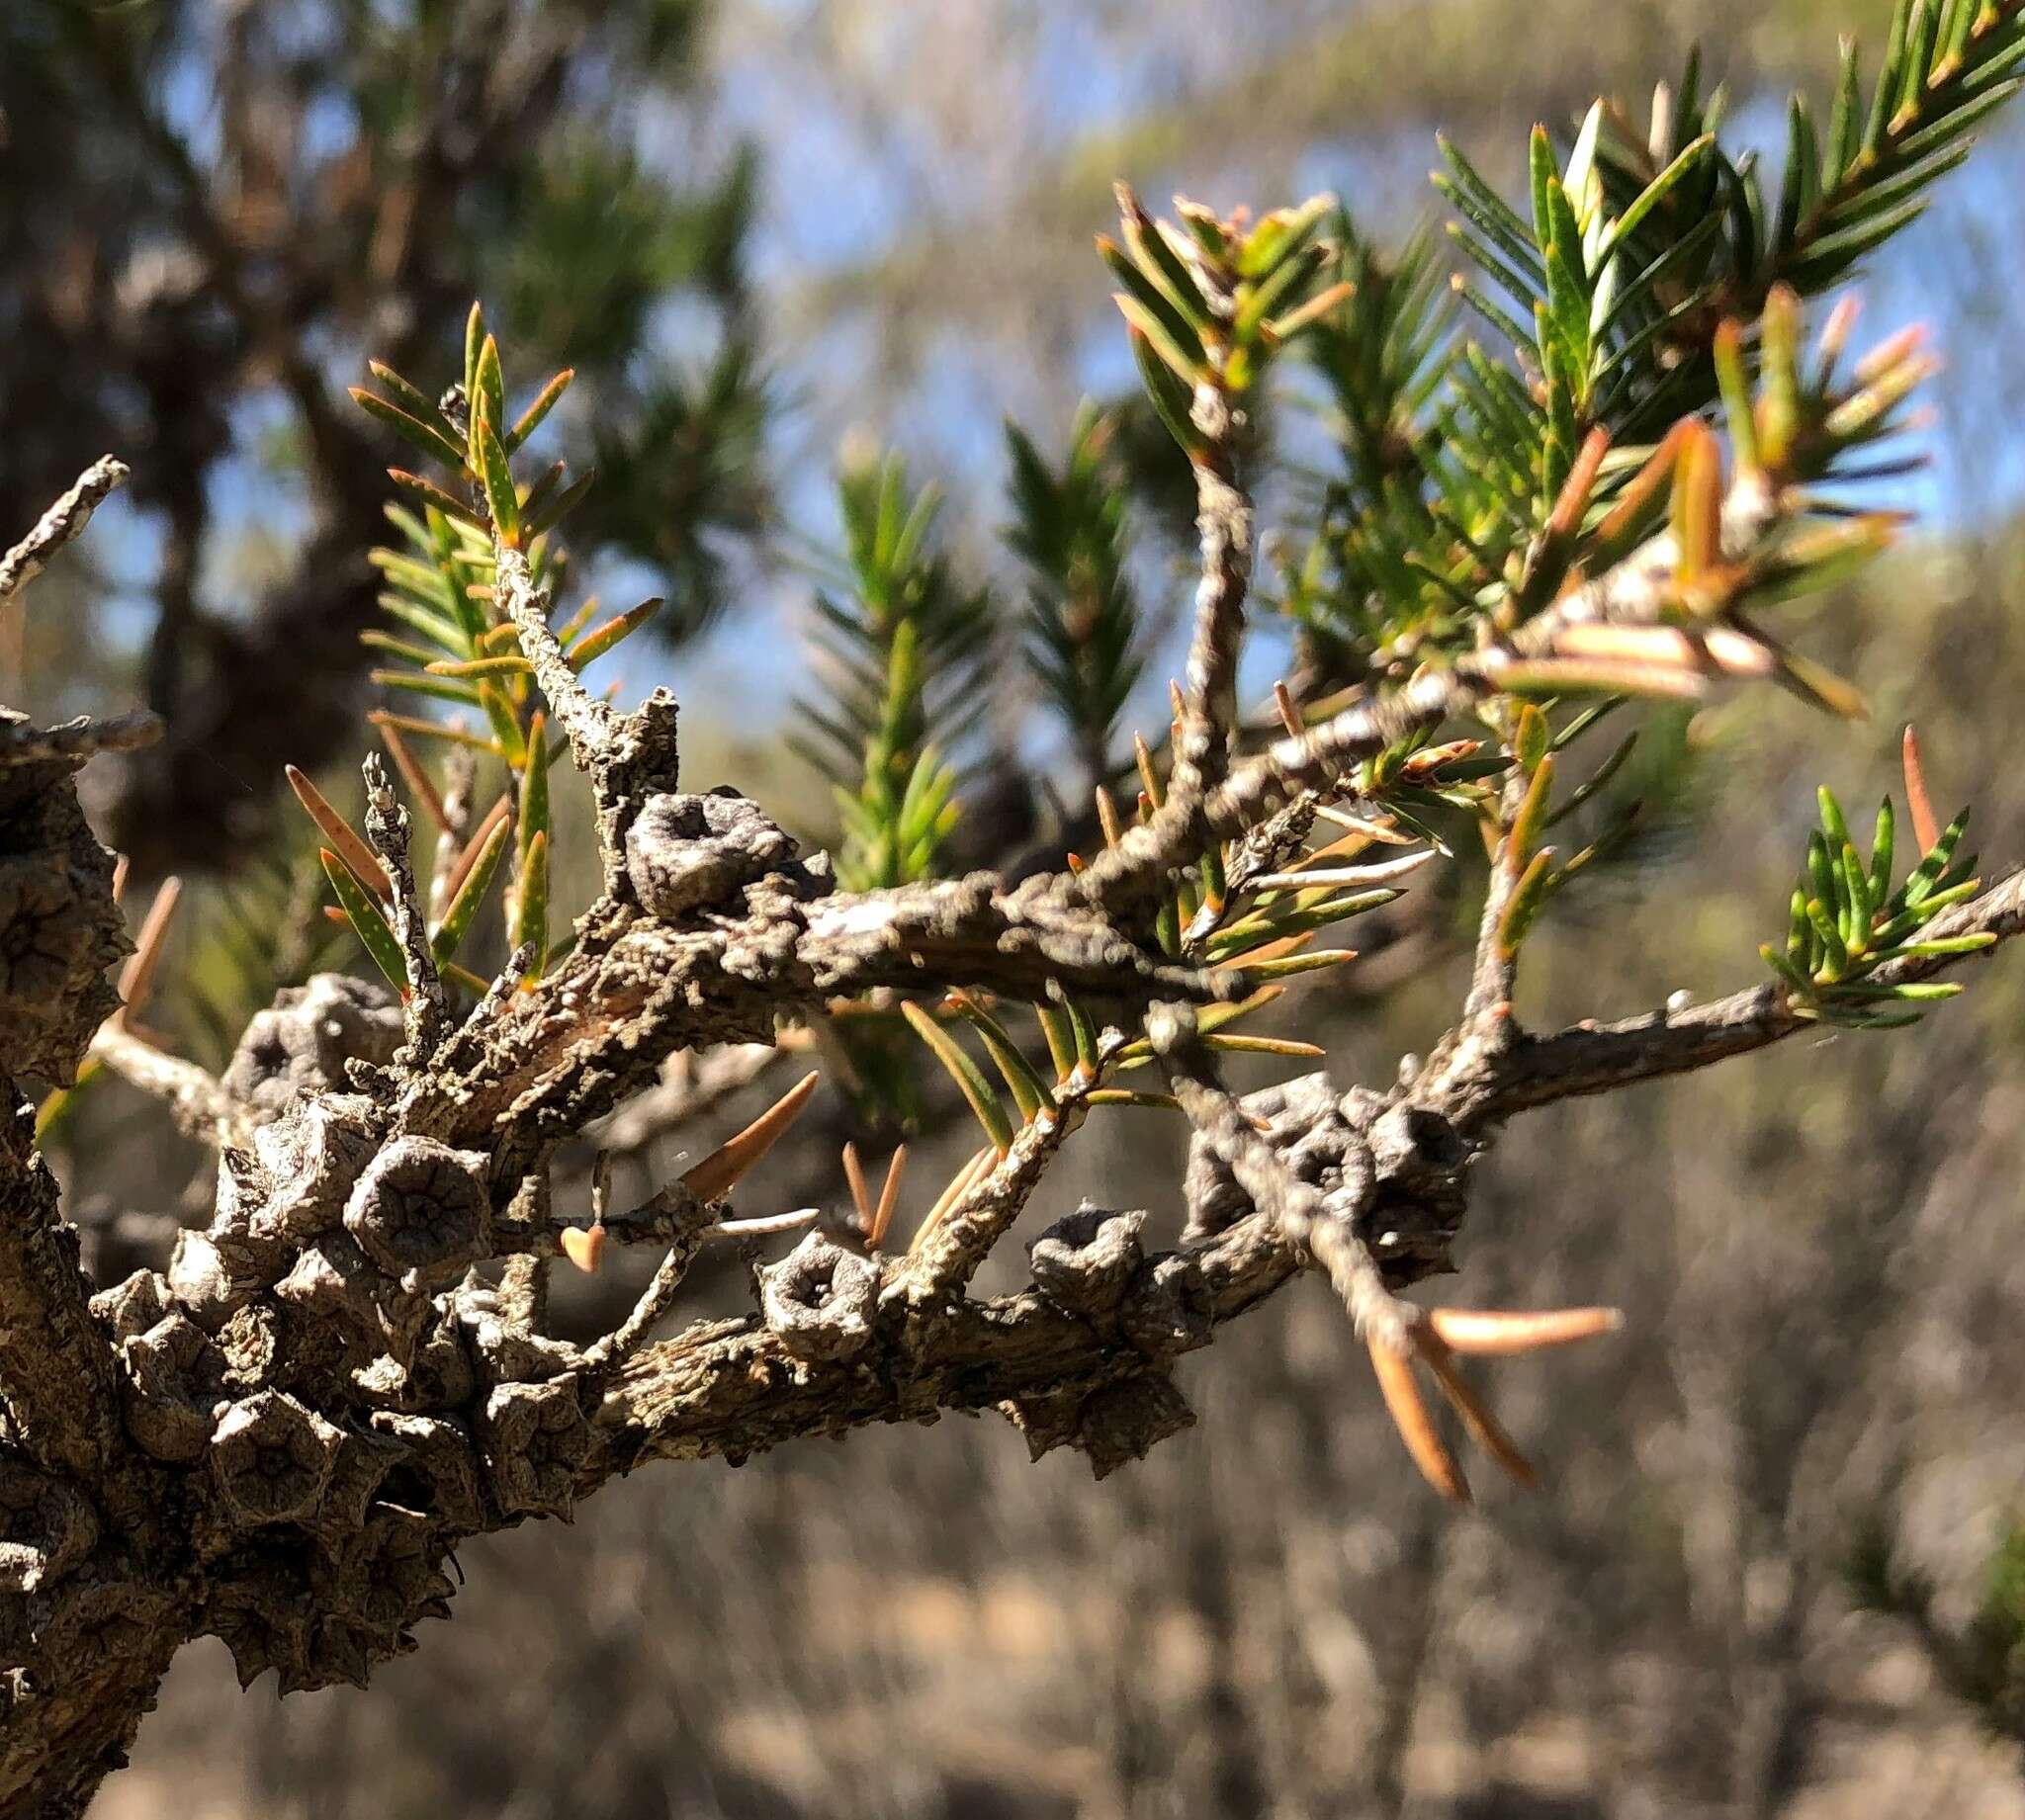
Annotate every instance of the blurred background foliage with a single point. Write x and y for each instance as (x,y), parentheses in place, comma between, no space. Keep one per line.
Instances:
(1776,1572)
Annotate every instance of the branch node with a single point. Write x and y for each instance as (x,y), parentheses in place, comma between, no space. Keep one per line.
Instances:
(820,1300)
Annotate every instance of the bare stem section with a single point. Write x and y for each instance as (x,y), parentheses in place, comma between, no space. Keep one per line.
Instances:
(62,522)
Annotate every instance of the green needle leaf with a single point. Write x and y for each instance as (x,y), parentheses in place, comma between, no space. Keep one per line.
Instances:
(530,419)
(417,655)
(366,921)
(493,467)
(1158,260)
(557,506)
(432,442)
(1185,367)
(1649,198)
(1946,945)
(1172,322)
(1088,1044)
(435,730)
(430,494)
(506,722)
(1856,893)
(1795,981)
(1171,398)
(1881,855)
(620,627)
(1542,173)
(1530,820)
(1835,955)
(533,784)
(1281,287)
(430,624)
(1822,876)
(1529,898)
(964,1071)
(1920,885)
(509,664)
(464,977)
(443,689)
(1237,1043)
(473,340)
(489,392)
(1061,1038)
(1833,822)
(1029,1091)
(1287,965)
(411,398)
(464,906)
(531,904)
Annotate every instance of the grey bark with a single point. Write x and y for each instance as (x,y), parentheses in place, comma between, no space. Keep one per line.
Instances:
(279,1439)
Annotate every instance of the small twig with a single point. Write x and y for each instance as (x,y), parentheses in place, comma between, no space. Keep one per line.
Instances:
(765,1225)
(626,756)
(23,743)
(691,1224)
(1486,1010)
(1312,1225)
(62,522)
(1321,1228)
(197,1101)
(1474,1090)
(1395,1332)
(589,723)
(1145,852)
(387,823)
(1223,525)
(654,1302)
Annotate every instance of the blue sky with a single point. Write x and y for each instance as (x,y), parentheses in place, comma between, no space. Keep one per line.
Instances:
(840,190)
